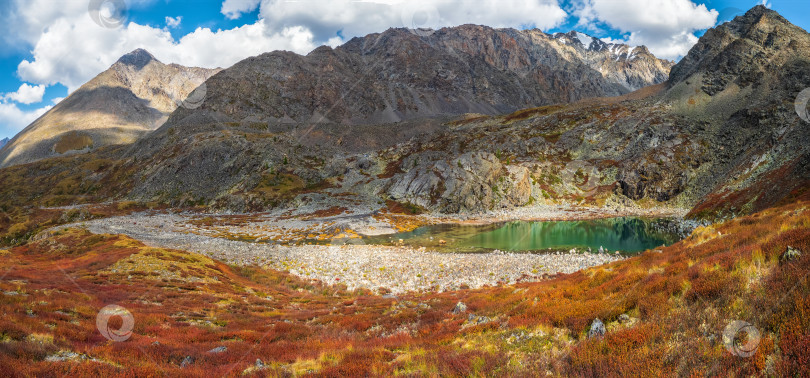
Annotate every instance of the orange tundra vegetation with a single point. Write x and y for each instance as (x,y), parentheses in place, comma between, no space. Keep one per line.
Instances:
(665,311)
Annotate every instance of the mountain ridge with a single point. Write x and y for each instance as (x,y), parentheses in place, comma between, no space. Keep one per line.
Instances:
(674,144)
(126,101)
(398,76)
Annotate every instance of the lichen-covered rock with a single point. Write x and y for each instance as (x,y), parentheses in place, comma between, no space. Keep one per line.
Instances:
(660,182)
(597,329)
(473,182)
(790,254)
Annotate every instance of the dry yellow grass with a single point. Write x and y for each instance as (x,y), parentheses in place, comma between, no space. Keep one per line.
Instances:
(72,141)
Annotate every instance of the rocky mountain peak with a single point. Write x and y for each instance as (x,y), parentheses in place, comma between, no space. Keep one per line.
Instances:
(586,40)
(128,100)
(760,11)
(590,43)
(740,50)
(138,58)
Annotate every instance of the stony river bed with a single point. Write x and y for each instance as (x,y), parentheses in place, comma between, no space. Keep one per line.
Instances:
(398,268)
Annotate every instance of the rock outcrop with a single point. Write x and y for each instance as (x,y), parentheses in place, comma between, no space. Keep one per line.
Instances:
(471,182)
(597,329)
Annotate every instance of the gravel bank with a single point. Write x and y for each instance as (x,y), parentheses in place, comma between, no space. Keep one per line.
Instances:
(399,269)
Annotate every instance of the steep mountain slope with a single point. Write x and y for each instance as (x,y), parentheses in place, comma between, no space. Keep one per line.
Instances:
(740,82)
(672,144)
(134,96)
(3,142)
(398,75)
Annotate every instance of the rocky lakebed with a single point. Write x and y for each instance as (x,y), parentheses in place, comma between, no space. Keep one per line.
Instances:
(343,249)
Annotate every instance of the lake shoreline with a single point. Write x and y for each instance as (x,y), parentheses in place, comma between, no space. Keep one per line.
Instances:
(398,269)
(274,241)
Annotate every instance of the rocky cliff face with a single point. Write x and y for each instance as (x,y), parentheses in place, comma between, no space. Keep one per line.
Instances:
(134,96)
(398,75)
(468,183)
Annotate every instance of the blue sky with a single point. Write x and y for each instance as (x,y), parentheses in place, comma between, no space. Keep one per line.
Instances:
(51,47)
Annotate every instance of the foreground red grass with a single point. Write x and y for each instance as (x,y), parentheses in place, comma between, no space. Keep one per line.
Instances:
(665,312)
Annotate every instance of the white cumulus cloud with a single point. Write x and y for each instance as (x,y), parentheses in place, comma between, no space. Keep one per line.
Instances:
(173,22)
(72,49)
(233,9)
(13,119)
(27,94)
(356,18)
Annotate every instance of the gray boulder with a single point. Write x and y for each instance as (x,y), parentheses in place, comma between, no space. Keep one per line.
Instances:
(460,307)
(187,361)
(597,329)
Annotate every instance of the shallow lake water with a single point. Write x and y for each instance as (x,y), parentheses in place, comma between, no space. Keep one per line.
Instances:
(628,235)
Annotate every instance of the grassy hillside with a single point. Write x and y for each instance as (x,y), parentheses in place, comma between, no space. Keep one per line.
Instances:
(665,312)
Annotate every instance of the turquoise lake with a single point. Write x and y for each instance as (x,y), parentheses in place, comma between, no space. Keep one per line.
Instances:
(626,234)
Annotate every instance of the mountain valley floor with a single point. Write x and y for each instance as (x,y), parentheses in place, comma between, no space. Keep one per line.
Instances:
(664,311)
(284,242)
